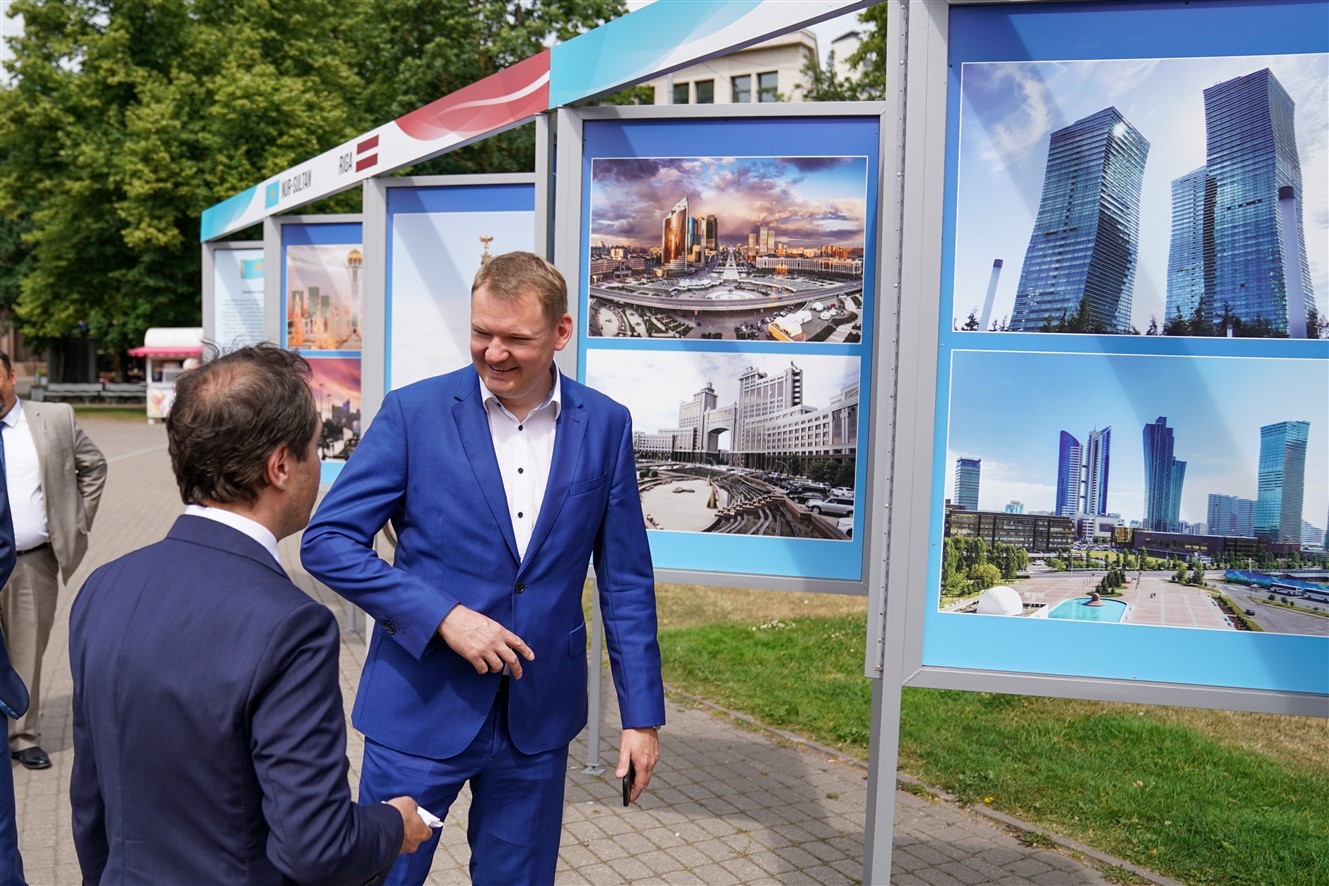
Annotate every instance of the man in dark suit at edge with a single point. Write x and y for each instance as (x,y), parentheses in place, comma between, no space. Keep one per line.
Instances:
(209,734)
(503,481)
(13,701)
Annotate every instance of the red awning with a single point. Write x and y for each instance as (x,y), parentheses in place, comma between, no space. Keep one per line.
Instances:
(166,353)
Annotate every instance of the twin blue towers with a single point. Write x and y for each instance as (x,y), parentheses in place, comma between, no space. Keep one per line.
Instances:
(1238,249)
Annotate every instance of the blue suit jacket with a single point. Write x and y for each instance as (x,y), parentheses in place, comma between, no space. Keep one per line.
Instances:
(427,464)
(209,733)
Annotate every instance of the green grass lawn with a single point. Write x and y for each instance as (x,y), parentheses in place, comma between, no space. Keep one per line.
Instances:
(117,412)
(1205,797)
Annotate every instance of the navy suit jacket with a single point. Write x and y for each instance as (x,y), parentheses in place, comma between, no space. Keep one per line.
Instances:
(13,694)
(209,733)
(13,700)
(427,463)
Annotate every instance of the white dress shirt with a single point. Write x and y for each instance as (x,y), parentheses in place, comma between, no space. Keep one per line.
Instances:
(23,473)
(525,450)
(252,528)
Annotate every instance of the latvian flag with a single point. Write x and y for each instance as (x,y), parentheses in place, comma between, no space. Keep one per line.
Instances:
(366,153)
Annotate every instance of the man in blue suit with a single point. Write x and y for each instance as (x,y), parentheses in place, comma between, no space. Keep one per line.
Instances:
(502,481)
(209,734)
(13,701)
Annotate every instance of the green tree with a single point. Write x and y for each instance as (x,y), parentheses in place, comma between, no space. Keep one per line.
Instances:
(984,576)
(411,52)
(867,62)
(125,119)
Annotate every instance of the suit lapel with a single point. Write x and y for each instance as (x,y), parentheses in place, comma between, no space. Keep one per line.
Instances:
(563,467)
(40,440)
(473,429)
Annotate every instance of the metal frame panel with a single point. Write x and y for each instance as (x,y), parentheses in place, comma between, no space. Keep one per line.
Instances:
(569,251)
(926,70)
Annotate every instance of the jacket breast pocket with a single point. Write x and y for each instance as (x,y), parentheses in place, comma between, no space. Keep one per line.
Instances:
(586,487)
(577,640)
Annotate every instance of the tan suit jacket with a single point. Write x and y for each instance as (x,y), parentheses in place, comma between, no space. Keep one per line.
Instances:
(73,472)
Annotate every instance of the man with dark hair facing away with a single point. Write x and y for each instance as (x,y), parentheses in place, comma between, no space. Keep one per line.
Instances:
(209,735)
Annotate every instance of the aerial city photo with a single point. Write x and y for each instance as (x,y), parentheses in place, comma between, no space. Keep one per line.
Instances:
(1179,196)
(733,248)
(1156,490)
(742,444)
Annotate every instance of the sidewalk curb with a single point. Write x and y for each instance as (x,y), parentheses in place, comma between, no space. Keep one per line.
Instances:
(903,781)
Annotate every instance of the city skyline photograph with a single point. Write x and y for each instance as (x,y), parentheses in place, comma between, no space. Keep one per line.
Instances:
(335,381)
(1008,115)
(809,201)
(655,384)
(334,271)
(1009,408)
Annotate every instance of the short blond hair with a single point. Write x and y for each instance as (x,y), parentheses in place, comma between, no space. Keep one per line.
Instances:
(513,274)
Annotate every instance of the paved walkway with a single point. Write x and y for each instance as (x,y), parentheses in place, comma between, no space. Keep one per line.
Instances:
(729,804)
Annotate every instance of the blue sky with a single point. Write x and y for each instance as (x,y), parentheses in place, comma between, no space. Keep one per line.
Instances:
(1011,108)
(1009,408)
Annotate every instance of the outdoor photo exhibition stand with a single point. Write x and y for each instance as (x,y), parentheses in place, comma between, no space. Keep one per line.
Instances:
(744,350)
(1022,324)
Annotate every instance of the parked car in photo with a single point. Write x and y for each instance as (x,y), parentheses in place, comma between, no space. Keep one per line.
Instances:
(846,525)
(834,506)
(842,492)
(802,492)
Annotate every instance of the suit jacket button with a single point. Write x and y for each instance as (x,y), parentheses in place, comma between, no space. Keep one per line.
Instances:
(521,586)
(390,627)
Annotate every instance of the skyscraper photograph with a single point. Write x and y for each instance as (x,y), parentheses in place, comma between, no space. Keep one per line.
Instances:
(1282,481)
(1163,478)
(1083,247)
(967,474)
(1226,212)
(1208,436)
(1238,234)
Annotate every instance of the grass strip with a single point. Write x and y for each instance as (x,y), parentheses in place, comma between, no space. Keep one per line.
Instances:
(1195,798)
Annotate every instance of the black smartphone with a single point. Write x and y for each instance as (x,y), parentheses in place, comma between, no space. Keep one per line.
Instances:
(627,784)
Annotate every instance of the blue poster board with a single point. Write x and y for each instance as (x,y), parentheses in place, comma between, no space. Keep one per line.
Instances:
(322,310)
(437,238)
(727,286)
(1133,272)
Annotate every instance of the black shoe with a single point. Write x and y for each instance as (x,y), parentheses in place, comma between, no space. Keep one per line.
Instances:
(32,758)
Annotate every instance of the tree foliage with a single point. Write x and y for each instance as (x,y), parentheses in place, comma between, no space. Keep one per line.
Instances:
(867,63)
(124,119)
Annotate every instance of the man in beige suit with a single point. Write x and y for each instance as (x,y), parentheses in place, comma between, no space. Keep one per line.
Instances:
(55,478)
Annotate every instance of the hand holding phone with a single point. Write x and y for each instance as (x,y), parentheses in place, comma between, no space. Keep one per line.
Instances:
(627,784)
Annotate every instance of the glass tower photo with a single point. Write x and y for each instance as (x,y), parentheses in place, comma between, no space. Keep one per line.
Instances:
(1163,477)
(1238,247)
(1282,480)
(1251,154)
(966,482)
(1085,242)
(1069,466)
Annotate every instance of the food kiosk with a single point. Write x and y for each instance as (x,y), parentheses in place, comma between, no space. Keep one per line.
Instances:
(167,352)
